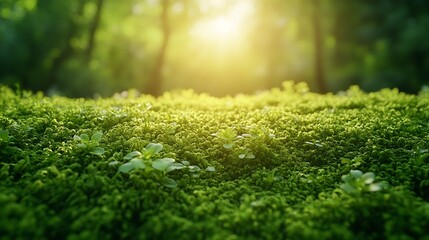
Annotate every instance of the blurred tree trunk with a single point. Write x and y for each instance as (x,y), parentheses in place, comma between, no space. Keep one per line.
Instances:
(65,53)
(93,30)
(318,48)
(156,80)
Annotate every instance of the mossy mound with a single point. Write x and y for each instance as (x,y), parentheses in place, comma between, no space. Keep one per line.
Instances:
(288,164)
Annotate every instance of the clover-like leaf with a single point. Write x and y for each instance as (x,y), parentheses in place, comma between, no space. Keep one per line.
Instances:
(347,188)
(84,137)
(98,151)
(375,187)
(81,145)
(194,168)
(368,178)
(210,169)
(162,164)
(138,163)
(356,173)
(113,163)
(175,166)
(132,155)
(228,145)
(126,167)
(97,136)
(168,182)
(152,148)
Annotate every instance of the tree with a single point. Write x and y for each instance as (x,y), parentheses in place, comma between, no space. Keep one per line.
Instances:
(155,83)
(93,29)
(66,51)
(319,74)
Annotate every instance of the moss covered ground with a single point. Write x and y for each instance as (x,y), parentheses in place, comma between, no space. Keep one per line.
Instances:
(285,164)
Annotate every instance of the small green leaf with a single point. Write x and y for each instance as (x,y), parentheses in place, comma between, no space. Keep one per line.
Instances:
(97,136)
(138,163)
(175,166)
(194,168)
(77,138)
(242,156)
(378,186)
(126,167)
(345,161)
(98,151)
(81,145)
(154,148)
(84,137)
(113,163)
(210,169)
(162,164)
(356,173)
(375,187)
(250,156)
(186,163)
(368,178)
(168,182)
(347,188)
(132,155)
(228,145)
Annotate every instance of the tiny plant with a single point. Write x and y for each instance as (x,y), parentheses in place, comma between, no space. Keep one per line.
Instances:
(357,182)
(245,154)
(227,137)
(90,144)
(148,161)
(355,162)
(229,140)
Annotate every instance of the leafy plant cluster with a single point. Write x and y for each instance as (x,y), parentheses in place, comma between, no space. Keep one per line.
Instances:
(158,167)
(289,164)
(90,144)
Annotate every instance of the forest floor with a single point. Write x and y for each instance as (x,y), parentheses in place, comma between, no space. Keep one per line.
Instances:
(284,164)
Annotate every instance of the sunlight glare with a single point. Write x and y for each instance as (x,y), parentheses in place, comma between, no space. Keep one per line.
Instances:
(226,28)
(223,26)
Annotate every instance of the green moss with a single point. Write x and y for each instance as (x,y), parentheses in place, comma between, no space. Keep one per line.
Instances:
(285,166)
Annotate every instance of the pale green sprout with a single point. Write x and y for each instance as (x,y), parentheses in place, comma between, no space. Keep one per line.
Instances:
(357,182)
(90,144)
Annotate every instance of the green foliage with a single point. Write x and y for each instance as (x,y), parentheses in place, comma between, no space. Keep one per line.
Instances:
(156,167)
(4,135)
(356,183)
(238,148)
(285,164)
(420,167)
(90,144)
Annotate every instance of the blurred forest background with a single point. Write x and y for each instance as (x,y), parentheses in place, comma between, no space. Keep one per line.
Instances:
(80,48)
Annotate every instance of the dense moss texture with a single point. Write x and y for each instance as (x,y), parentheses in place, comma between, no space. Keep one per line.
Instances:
(289,165)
